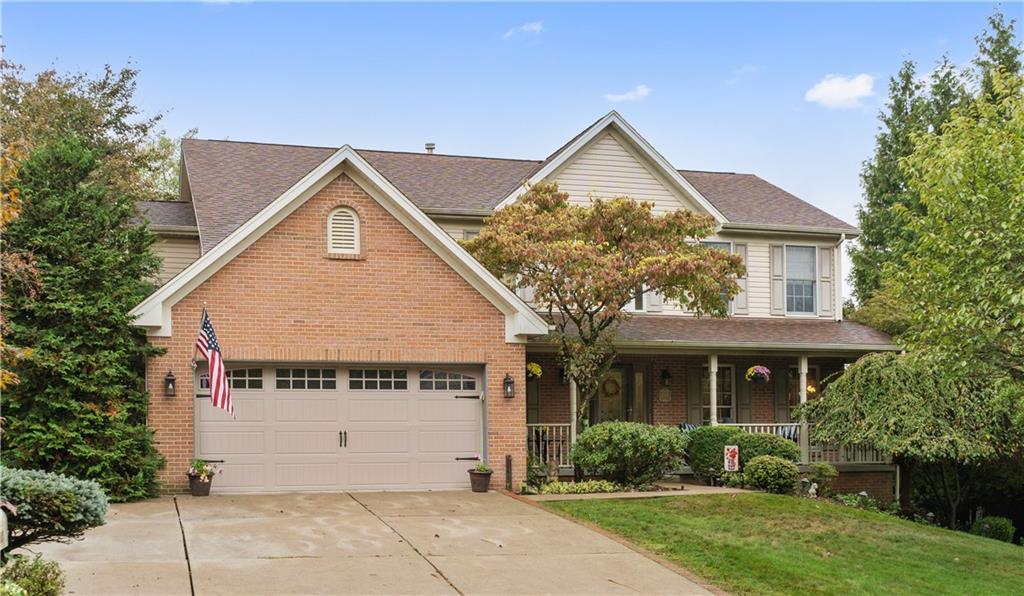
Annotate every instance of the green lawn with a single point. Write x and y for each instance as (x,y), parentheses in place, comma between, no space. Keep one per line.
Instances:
(769,544)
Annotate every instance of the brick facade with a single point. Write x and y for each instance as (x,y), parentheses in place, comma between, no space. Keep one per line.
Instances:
(283,299)
(880,484)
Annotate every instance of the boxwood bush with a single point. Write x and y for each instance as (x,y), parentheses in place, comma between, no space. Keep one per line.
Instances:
(772,474)
(757,444)
(628,453)
(580,488)
(50,507)
(995,527)
(705,450)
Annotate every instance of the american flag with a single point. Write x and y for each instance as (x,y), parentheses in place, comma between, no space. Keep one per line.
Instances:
(206,343)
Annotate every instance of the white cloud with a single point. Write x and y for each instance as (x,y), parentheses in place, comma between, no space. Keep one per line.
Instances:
(841,92)
(741,73)
(531,28)
(635,94)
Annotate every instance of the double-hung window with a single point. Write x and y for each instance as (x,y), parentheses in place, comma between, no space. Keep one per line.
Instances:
(801,279)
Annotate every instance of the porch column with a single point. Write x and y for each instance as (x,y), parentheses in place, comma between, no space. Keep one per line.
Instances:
(804,439)
(713,386)
(572,411)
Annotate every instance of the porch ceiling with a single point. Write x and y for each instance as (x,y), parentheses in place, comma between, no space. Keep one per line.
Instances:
(673,333)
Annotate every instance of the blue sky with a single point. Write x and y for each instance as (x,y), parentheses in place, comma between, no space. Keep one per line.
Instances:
(712,86)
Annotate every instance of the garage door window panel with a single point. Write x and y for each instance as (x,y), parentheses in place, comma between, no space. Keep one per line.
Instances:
(310,379)
(440,380)
(241,378)
(373,379)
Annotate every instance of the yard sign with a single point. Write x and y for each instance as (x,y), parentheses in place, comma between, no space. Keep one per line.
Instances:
(732,459)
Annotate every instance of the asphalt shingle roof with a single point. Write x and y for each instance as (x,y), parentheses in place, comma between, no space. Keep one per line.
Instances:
(168,213)
(231,181)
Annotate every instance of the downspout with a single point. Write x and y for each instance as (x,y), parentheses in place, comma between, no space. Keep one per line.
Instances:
(837,291)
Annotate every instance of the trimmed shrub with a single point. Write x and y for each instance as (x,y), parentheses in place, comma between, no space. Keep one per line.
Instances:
(757,444)
(629,453)
(994,527)
(733,479)
(772,474)
(580,488)
(823,475)
(36,576)
(50,507)
(705,450)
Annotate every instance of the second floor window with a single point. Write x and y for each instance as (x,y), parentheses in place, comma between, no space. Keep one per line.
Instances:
(800,279)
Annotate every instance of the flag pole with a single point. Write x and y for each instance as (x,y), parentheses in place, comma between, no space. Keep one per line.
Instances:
(195,348)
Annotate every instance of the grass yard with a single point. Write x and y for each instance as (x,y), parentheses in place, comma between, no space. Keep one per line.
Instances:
(770,544)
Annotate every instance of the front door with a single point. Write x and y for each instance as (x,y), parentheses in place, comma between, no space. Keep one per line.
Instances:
(614,396)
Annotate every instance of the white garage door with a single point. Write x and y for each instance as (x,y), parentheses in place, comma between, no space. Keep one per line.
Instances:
(325,428)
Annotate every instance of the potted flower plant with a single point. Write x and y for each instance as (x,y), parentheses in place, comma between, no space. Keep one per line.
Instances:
(480,477)
(758,374)
(200,477)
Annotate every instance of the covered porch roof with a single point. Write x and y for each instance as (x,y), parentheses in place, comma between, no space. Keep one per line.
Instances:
(675,333)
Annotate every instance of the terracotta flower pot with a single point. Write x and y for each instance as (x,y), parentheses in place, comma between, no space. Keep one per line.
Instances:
(198,488)
(480,481)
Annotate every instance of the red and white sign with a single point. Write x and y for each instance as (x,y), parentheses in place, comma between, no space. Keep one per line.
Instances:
(732,459)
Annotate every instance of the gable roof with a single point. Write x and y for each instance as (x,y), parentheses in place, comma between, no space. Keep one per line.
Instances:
(168,214)
(155,311)
(613,121)
(230,181)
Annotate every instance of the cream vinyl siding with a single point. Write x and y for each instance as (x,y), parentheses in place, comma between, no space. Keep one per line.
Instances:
(607,168)
(456,228)
(176,253)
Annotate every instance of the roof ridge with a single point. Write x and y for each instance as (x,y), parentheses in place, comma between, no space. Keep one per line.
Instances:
(451,155)
(260,143)
(714,172)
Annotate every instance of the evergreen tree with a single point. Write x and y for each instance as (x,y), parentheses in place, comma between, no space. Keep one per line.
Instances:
(80,406)
(883,229)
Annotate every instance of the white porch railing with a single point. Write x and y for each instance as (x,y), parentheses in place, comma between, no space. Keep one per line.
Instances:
(816,453)
(548,443)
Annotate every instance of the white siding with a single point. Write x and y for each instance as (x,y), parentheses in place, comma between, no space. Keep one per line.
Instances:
(607,169)
(177,253)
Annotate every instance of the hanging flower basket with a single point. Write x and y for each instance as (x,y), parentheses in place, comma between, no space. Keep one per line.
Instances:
(758,374)
(533,371)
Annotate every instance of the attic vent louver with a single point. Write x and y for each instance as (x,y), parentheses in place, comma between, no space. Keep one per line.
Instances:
(343,231)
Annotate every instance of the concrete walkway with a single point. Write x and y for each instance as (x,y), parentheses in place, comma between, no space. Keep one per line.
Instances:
(361,543)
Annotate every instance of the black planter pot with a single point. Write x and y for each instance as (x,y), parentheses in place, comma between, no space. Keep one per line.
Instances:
(198,488)
(479,480)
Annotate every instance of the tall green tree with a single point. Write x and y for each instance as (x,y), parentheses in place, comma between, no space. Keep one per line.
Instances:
(101,111)
(883,228)
(915,107)
(955,403)
(998,50)
(80,405)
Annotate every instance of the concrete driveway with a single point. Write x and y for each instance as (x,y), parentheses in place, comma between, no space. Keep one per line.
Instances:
(361,543)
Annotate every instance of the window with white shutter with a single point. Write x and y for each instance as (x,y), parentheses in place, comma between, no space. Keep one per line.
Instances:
(343,231)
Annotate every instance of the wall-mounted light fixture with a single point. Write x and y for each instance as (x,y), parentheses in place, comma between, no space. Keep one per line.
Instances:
(509,386)
(666,377)
(169,384)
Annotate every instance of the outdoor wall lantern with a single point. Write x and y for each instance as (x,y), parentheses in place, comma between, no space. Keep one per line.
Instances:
(665,377)
(169,384)
(509,386)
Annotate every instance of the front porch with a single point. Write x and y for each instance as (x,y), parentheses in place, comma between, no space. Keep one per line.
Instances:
(690,390)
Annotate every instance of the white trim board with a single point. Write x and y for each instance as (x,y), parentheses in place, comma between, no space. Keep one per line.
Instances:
(613,121)
(154,313)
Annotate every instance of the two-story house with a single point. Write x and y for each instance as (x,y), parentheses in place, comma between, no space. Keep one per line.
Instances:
(367,350)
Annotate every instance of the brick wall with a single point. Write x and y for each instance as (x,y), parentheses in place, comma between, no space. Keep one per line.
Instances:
(282,299)
(879,484)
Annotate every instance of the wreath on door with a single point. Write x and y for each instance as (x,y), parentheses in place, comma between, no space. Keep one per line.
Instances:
(610,387)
